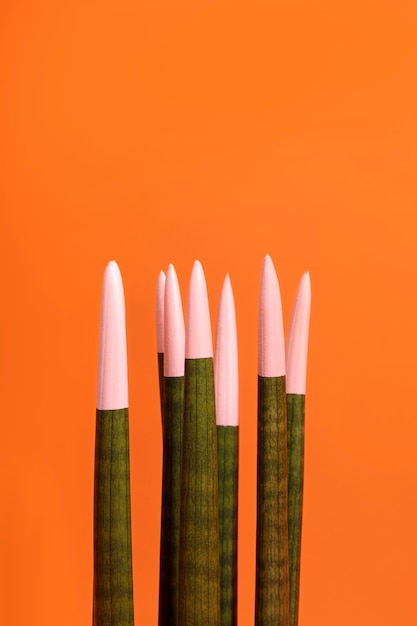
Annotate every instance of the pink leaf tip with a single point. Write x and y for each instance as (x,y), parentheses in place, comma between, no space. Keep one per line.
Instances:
(112,390)
(198,338)
(271,346)
(297,343)
(174,342)
(226,360)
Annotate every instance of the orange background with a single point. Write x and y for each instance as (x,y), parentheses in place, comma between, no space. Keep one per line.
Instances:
(157,132)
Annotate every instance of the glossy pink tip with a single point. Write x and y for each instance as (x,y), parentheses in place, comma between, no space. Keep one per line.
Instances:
(198,339)
(160,298)
(112,360)
(297,343)
(174,349)
(226,361)
(271,347)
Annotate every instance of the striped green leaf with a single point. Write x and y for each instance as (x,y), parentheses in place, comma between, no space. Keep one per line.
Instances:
(295,412)
(228,442)
(272,574)
(113,586)
(199,575)
(170,514)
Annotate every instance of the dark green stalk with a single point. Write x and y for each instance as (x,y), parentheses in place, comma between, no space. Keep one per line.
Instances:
(295,413)
(161,382)
(228,445)
(170,515)
(272,574)
(113,585)
(199,575)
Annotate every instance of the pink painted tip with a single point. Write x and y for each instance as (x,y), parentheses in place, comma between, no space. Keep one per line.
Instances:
(271,347)
(160,291)
(198,339)
(174,351)
(297,343)
(112,360)
(226,362)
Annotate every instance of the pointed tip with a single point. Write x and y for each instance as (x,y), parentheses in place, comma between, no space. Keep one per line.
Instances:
(174,331)
(226,360)
(198,338)
(197,267)
(305,279)
(304,286)
(112,392)
(297,343)
(268,269)
(111,267)
(268,265)
(226,297)
(227,285)
(271,346)
(112,275)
